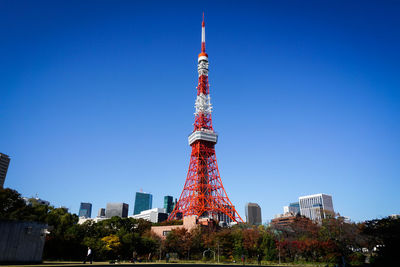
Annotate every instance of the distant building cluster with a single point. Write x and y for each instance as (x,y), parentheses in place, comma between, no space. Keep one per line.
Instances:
(142,209)
(314,207)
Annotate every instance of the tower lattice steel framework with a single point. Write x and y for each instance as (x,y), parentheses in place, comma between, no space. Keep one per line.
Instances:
(203,194)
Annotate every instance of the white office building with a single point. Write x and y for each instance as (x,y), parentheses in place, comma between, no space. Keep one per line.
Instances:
(316,207)
(154,215)
(95,220)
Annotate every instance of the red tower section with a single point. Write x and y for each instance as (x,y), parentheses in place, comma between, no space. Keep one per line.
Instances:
(203,194)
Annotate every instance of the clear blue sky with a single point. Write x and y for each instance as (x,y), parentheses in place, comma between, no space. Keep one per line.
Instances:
(97,100)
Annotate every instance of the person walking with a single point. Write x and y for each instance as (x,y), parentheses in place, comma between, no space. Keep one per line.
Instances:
(243,258)
(167,257)
(89,256)
(259,258)
(134,257)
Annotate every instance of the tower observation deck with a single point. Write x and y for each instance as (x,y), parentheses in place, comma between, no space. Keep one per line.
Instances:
(203,193)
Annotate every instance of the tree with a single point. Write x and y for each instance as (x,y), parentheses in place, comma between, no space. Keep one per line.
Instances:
(225,244)
(268,246)
(238,249)
(384,236)
(251,241)
(12,206)
(112,242)
(197,243)
(345,238)
(151,243)
(179,241)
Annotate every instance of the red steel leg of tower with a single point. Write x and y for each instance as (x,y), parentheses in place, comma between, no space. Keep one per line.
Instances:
(203,193)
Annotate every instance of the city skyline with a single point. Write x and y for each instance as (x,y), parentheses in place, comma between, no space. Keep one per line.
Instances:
(305,98)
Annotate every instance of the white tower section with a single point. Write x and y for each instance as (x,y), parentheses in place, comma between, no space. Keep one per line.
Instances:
(203,104)
(203,101)
(203,33)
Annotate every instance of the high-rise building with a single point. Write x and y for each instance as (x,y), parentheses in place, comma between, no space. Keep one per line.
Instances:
(293,208)
(101,213)
(143,201)
(117,209)
(316,207)
(4,162)
(253,214)
(168,204)
(85,210)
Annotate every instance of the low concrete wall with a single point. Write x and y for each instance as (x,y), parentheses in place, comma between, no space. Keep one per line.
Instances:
(21,242)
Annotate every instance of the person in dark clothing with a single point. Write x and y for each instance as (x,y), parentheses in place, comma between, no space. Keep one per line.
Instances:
(134,257)
(89,256)
(259,258)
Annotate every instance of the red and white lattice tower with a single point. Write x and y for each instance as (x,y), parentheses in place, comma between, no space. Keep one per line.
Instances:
(203,194)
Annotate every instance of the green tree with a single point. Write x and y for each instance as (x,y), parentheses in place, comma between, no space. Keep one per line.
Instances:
(268,246)
(238,249)
(384,236)
(251,241)
(225,243)
(178,241)
(12,206)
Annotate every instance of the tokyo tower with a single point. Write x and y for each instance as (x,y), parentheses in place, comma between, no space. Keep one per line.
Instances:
(203,194)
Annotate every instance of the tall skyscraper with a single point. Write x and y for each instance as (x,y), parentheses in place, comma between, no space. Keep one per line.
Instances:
(101,213)
(168,204)
(253,214)
(85,210)
(117,209)
(316,207)
(143,201)
(4,162)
